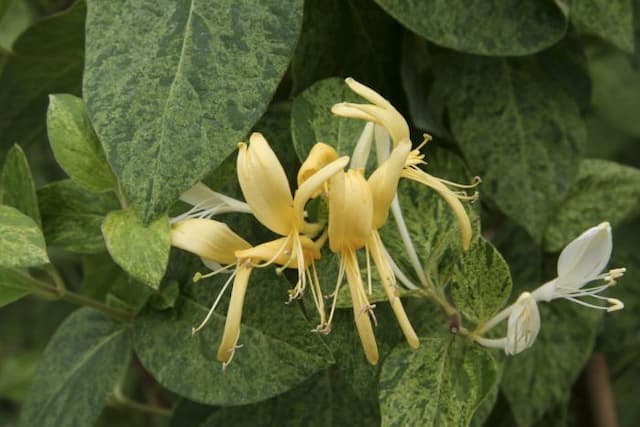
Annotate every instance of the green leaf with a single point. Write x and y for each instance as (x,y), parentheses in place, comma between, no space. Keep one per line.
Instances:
(312,120)
(321,401)
(18,188)
(279,350)
(519,130)
(82,364)
(441,383)
(15,17)
(72,216)
(603,191)
(13,285)
(16,374)
(482,284)
(100,275)
(611,20)
(538,379)
(621,328)
(75,145)
(494,28)
(616,91)
(21,241)
(171,87)
(352,38)
(141,250)
(47,58)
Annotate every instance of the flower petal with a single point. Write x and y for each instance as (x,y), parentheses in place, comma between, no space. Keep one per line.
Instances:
(350,211)
(209,239)
(362,149)
(523,324)
(309,188)
(320,155)
(585,257)
(384,182)
(231,333)
(264,185)
(280,251)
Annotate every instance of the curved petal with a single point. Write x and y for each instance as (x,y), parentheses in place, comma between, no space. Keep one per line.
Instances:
(231,333)
(208,239)
(280,251)
(586,256)
(523,324)
(384,182)
(309,188)
(350,211)
(320,155)
(361,152)
(264,185)
(452,200)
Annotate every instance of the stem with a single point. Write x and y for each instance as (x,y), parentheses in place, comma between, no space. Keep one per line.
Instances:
(119,399)
(494,321)
(60,291)
(79,299)
(600,392)
(440,300)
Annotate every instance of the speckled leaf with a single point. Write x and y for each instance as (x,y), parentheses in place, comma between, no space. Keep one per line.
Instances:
(610,19)
(322,401)
(75,144)
(278,351)
(80,367)
(46,58)
(72,216)
(539,378)
(431,223)
(347,38)
(519,131)
(171,87)
(440,384)
(486,27)
(482,284)
(21,241)
(603,191)
(616,91)
(141,250)
(13,285)
(312,120)
(18,189)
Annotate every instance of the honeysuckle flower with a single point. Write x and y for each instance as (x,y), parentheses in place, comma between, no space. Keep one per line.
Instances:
(523,325)
(266,189)
(580,262)
(216,242)
(357,208)
(381,112)
(350,224)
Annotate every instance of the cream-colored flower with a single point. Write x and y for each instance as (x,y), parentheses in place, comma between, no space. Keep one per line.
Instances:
(523,325)
(381,112)
(357,208)
(266,189)
(580,262)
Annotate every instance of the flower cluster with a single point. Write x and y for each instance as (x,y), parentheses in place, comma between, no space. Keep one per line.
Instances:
(358,206)
(581,262)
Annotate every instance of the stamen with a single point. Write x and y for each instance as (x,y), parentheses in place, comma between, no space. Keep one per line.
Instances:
(194,330)
(336,290)
(199,276)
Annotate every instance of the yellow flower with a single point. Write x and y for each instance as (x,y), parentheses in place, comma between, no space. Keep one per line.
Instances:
(357,208)
(266,190)
(214,241)
(385,115)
